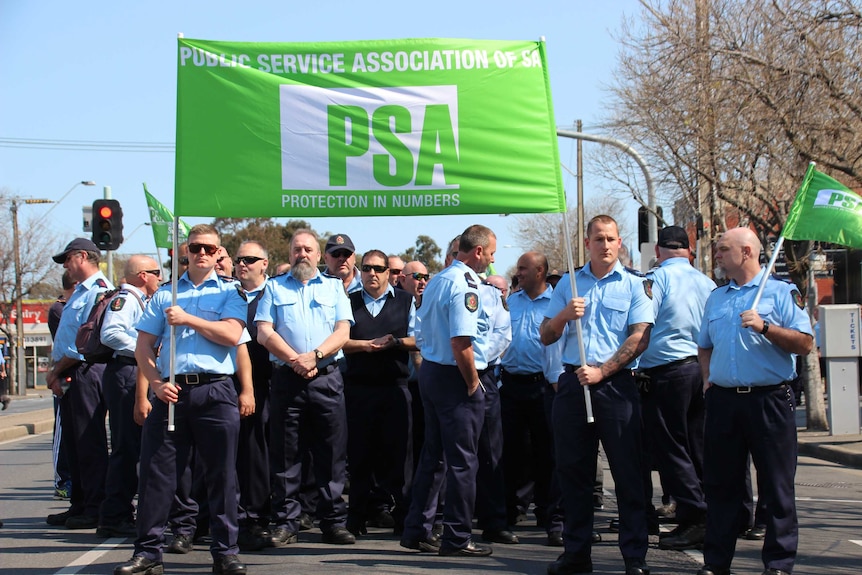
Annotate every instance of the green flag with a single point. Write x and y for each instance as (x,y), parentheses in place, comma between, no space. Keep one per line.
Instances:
(826,211)
(161,220)
(387,127)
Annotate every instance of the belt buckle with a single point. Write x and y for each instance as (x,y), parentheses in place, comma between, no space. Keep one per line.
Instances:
(193,379)
(743,389)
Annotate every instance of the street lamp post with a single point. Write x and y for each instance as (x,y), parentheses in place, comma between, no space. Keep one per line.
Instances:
(81,183)
(20,366)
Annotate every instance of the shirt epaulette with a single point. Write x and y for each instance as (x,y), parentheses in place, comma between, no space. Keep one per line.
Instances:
(634,272)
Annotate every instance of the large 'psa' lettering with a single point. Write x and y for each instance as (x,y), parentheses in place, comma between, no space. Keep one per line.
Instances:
(351,131)
(369,138)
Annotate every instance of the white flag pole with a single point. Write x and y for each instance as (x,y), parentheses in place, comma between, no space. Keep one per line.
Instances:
(173,330)
(588,402)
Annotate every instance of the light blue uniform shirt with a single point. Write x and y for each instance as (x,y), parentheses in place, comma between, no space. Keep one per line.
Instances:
(450,308)
(374,306)
(75,313)
(525,354)
(354,285)
(679,295)
(552,359)
(217,298)
(304,315)
(118,327)
(499,325)
(613,303)
(742,357)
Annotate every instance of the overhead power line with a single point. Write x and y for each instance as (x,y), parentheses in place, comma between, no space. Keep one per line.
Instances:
(88,145)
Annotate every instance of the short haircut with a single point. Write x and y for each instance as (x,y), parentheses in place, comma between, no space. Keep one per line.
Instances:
(377,253)
(67,281)
(602,219)
(254,243)
(475,235)
(204,229)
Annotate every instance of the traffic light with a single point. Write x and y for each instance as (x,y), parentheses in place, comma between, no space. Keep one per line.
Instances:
(643,224)
(107,224)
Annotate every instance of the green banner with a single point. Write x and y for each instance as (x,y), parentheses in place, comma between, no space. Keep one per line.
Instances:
(161,220)
(825,210)
(394,127)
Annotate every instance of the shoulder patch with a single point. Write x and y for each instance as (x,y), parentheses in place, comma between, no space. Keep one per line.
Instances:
(470,283)
(471,301)
(101,283)
(117,303)
(797,299)
(648,288)
(99,297)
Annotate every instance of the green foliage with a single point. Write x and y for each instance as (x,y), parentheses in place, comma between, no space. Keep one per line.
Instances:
(426,251)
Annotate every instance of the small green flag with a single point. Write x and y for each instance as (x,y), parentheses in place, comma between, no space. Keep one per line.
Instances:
(826,211)
(161,220)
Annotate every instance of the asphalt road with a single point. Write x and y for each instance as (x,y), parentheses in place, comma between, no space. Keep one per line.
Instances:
(829,506)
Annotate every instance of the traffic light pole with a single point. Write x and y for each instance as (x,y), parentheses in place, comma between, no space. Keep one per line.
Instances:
(110,256)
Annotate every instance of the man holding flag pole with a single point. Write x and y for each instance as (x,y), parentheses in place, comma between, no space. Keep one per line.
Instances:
(752,329)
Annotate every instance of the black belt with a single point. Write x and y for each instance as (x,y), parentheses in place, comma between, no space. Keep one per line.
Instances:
(677,363)
(523,378)
(569,368)
(199,378)
(752,388)
(124,359)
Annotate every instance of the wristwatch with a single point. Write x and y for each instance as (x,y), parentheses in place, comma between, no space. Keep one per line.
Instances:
(318,354)
(765,328)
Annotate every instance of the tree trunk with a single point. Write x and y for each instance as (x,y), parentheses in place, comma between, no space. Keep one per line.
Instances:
(815,405)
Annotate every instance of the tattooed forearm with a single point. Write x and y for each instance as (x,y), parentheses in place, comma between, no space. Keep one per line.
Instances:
(633,346)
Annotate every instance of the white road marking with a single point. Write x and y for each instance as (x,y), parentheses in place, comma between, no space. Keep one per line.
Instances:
(857,542)
(90,556)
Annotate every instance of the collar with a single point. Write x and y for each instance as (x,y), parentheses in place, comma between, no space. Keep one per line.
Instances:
(587,270)
(137,290)
(674,261)
(91,281)
(753,282)
(317,277)
(390,292)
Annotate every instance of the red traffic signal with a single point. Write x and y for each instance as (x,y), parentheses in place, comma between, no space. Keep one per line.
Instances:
(107,224)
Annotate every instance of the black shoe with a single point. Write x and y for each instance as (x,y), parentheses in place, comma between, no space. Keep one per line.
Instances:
(565,565)
(708,570)
(471,550)
(181,545)
(637,567)
(756,533)
(338,536)
(688,537)
(248,540)
(58,519)
(281,537)
(499,536)
(555,539)
(358,528)
(774,572)
(614,526)
(228,565)
(82,522)
(139,565)
(381,519)
(598,502)
(124,529)
(5,400)
(305,522)
(429,544)
(596,537)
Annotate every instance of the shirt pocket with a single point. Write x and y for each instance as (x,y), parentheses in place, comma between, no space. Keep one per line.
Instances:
(616,311)
(284,306)
(766,310)
(323,307)
(210,310)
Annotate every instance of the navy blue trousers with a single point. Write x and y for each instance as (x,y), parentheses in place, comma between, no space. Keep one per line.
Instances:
(764,423)
(308,414)
(121,483)
(673,419)
(82,411)
(453,422)
(207,419)
(616,409)
(490,479)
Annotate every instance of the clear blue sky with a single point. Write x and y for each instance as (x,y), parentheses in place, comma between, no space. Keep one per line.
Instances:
(106,71)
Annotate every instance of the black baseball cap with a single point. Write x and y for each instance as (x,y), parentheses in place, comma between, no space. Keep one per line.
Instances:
(339,242)
(673,237)
(76,245)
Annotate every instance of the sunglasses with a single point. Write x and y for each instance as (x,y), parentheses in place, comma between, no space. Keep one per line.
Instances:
(208,248)
(368,267)
(341,254)
(156,273)
(221,259)
(420,276)
(247,260)
(395,272)
(184,261)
